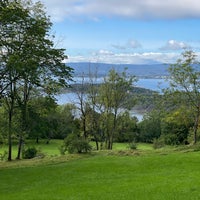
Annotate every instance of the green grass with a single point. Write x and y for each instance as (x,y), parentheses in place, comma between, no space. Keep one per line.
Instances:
(51,149)
(173,176)
(145,174)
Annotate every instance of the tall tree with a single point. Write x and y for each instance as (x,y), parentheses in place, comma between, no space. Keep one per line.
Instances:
(185,80)
(28,57)
(10,34)
(114,94)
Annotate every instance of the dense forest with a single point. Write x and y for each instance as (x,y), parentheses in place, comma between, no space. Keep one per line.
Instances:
(32,72)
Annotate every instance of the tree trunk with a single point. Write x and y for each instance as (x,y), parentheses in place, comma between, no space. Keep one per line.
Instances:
(84,127)
(19,147)
(10,137)
(97,144)
(109,144)
(196,128)
(10,116)
(37,140)
(24,118)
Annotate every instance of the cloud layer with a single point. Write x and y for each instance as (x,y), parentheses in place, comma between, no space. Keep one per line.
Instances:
(143,9)
(105,56)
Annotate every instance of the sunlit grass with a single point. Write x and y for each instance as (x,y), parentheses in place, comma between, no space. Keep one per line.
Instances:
(149,177)
(48,149)
(144,173)
(52,149)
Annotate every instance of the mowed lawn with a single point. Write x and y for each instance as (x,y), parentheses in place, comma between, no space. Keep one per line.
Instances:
(104,176)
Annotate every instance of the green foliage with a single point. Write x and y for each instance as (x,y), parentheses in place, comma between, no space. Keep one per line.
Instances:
(66,121)
(114,94)
(196,147)
(2,140)
(184,78)
(150,127)
(29,152)
(132,146)
(4,155)
(48,120)
(176,126)
(29,62)
(127,129)
(75,144)
(158,143)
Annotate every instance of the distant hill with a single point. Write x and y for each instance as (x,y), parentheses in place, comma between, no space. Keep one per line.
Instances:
(149,71)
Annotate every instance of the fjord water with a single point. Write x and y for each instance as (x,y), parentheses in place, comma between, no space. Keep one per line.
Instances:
(156,84)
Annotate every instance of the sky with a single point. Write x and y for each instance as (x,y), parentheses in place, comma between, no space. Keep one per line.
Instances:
(125,31)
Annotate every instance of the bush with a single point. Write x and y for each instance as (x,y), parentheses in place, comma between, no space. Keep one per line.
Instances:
(171,139)
(158,143)
(4,155)
(132,145)
(62,149)
(196,147)
(1,140)
(75,144)
(29,153)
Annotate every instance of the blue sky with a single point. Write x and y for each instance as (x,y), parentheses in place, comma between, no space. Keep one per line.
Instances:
(125,31)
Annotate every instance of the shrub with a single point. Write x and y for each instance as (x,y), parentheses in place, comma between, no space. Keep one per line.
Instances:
(196,147)
(29,153)
(132,145)
(158,143)
(3,155)
(62,149)
(75,144)
(1,140)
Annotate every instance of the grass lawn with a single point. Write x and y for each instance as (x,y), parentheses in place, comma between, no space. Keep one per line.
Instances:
(52,149)
(154,175)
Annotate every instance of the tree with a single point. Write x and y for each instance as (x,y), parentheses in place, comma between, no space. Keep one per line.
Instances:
(82,104)
(176,126)
(28,57)
(41,113)
(114,94)
(185,81)
(93,119)
(127,130)
(11,30)
(66,121)
(88,106)
(150,126)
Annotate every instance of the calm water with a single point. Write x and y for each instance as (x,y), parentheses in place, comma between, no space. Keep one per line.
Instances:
(152,84)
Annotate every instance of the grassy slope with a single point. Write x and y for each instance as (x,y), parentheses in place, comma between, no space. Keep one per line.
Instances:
(151,175)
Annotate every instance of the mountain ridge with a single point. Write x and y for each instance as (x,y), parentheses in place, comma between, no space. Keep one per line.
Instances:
(102,69)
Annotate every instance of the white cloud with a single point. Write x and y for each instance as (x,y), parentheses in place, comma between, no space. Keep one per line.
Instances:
(134,44)
(131,44)
(143,9)
(103,53)
(175,45)
(104,56)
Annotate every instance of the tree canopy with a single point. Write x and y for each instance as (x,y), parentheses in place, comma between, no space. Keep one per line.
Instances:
(29,62)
